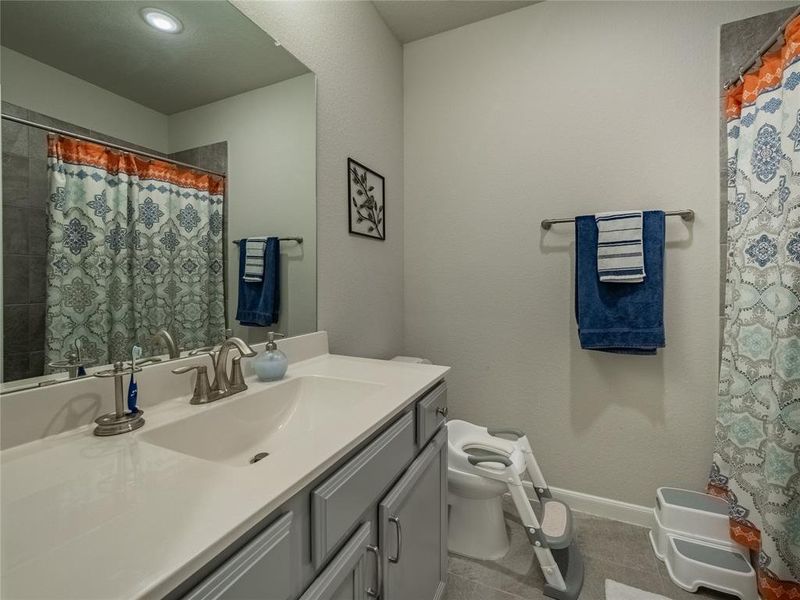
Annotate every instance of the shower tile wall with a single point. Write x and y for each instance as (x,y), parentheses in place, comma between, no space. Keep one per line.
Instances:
(25,192)
(738,42)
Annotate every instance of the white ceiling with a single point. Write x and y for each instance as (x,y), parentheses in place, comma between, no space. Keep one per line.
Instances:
(219,53)
(411,20)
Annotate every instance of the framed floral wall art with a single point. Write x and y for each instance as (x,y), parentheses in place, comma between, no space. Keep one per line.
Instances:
(366,205)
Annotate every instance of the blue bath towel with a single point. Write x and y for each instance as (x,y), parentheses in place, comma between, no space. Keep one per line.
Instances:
(259,301)
(626,318)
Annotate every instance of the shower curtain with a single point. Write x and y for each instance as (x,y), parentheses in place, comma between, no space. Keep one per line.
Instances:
(134,245)
(757,447)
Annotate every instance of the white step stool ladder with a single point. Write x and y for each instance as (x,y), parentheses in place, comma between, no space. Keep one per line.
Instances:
(551,532)
(691,537)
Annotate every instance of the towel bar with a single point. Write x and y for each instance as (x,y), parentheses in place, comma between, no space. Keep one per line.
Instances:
(686,215)
(298,239)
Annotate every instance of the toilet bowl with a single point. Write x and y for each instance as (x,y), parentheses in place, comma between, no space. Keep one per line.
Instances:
(476,524)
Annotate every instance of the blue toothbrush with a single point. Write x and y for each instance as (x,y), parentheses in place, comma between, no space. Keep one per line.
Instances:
(133,387)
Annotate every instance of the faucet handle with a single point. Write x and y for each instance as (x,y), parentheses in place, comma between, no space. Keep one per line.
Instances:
(202,389)
(237,383)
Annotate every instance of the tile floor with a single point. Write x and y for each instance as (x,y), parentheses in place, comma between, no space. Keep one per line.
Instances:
(611,550)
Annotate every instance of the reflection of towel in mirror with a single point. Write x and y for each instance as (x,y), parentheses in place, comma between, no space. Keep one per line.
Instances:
(617,317)
(254,258)
(259,301)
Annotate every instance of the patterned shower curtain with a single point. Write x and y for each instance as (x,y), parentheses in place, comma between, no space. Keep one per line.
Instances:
(134,245)
(757,452)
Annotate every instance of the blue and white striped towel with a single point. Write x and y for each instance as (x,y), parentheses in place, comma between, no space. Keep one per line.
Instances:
(254,258)
(620,253)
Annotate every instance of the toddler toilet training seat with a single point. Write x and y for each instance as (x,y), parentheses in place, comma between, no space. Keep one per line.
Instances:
(482,466)
(465,440)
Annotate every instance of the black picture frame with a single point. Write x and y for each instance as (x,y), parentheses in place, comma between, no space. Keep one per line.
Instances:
(366,201)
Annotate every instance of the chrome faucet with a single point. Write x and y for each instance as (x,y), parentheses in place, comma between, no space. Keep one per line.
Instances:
(172,347)
(224,385)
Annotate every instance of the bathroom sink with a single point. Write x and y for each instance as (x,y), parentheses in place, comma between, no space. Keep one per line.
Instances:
(245,429)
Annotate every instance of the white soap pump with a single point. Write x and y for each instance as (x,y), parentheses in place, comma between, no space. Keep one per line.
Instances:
(271,364)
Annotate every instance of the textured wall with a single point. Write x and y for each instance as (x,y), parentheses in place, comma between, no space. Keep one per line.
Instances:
(558,109)
(359,68)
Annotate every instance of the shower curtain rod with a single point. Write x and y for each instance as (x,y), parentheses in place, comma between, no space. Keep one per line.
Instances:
(686,215)
(86,138)
(745,67)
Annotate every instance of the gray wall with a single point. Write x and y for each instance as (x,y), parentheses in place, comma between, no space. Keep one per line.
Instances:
(737,43)
(555,110)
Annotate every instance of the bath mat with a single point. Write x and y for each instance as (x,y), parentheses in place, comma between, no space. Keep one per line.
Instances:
(619,591)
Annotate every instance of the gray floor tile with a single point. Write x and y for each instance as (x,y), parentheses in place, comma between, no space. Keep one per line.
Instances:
(597,571)
(516,573)
(628,544)
(459,588)
(611,550)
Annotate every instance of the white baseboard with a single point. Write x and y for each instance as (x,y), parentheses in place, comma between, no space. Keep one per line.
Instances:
(608,508)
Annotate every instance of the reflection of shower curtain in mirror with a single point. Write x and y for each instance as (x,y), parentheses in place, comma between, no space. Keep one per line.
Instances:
(134,245)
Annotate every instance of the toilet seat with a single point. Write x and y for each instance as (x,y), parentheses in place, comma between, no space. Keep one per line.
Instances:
(465,439)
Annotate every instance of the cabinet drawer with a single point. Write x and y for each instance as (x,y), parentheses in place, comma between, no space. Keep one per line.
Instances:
(343,498)
(431,413)
(262,569)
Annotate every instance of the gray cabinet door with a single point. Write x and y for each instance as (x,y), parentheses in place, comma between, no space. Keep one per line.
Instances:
(347,577)
(413,528)
(262,570)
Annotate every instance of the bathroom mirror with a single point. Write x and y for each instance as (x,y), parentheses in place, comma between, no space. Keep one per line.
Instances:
(141,142)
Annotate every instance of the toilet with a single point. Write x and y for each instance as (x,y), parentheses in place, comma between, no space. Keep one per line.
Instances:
(476,524)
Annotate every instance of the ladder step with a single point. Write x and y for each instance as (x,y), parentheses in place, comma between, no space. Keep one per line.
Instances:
(692,515)
(692,563)
(556,523)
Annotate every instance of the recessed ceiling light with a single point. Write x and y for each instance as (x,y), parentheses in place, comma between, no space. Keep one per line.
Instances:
(161,20)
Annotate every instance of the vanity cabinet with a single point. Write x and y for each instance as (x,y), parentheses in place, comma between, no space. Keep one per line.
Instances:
(413,527)
(374,525)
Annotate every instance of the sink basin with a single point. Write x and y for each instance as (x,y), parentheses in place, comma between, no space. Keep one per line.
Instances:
(239,428)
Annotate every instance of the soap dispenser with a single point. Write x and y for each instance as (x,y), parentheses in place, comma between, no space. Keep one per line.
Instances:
(271,364)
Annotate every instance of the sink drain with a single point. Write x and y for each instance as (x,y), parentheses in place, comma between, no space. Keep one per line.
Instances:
(258,457)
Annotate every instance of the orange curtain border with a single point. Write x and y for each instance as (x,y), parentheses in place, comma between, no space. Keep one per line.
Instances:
(80,152)
(769,75)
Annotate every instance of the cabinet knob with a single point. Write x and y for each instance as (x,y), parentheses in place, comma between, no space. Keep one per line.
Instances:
(442,410)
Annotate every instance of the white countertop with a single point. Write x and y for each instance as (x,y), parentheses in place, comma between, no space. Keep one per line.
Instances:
(88,517)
